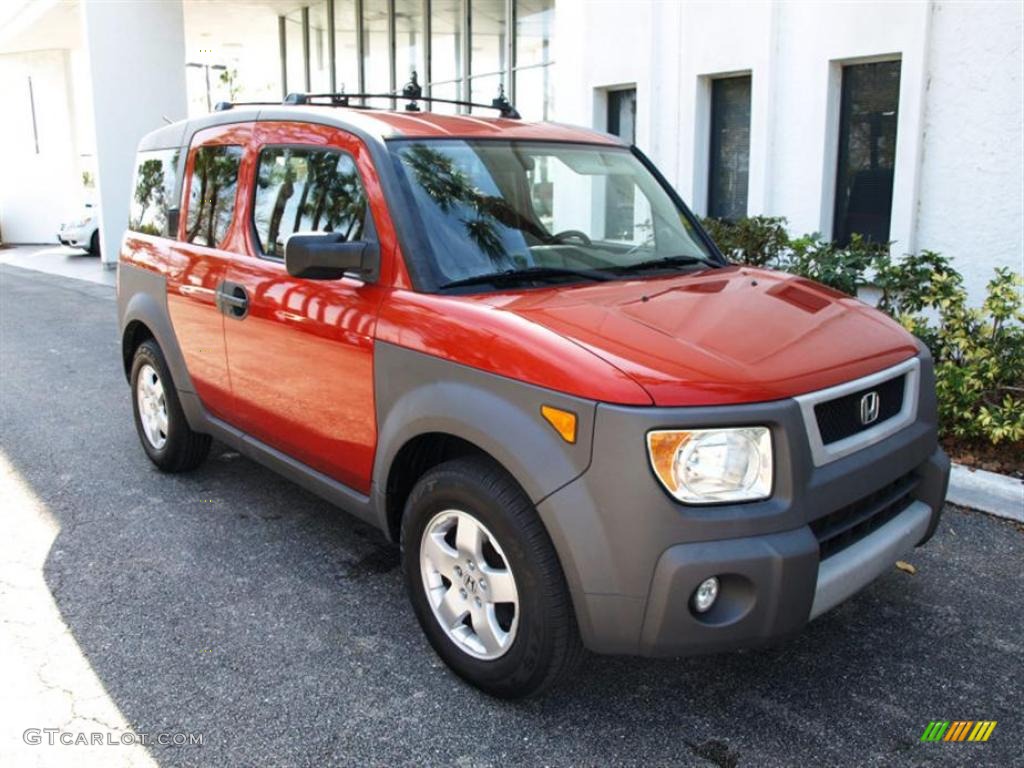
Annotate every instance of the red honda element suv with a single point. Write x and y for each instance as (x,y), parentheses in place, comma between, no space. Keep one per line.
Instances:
(513,349)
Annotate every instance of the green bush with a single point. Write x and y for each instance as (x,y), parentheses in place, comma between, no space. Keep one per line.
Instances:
(979,355)
(757,240)
(845,268)
(979,352)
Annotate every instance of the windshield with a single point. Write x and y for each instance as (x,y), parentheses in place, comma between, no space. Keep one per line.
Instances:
(550,211)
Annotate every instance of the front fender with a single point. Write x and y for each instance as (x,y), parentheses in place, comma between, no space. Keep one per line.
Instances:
(418,394)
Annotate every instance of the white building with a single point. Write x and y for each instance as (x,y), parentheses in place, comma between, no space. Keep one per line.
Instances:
(899,120)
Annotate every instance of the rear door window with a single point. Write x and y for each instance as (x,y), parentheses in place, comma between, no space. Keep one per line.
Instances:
(307,190)
(153,194)
(212,192)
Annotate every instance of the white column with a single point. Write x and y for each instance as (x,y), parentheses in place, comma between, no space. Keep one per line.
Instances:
(136,54)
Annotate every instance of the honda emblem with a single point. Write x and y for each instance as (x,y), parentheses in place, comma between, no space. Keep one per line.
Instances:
(869,408)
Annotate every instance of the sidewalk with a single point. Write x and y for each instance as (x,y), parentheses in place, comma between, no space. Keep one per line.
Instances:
(58,260)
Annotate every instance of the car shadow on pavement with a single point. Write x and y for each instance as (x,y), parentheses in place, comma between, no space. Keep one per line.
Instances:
(236,605)
(231,603)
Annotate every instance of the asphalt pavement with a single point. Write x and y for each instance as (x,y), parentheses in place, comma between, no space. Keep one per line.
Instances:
(231,604)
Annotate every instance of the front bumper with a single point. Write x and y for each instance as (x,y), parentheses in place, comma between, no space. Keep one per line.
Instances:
(633,556)
(771,586)
(76,238)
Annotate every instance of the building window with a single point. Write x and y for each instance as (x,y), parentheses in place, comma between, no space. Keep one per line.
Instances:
(867,151)
(376,57)
(300,190)
(463,50)
(488,49)
(622,114)
(619,200)
(346,46)
(729,163)
(211,198)
(319,48)
(446,51)
(294,53)
(535,21)
(409,51)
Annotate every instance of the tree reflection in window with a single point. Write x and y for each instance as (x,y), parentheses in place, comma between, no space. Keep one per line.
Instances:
(299,190)
(480,214)
(155,177)
(211,202)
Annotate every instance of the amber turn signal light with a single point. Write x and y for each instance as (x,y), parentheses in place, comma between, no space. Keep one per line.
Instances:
(564,422)
(663,447)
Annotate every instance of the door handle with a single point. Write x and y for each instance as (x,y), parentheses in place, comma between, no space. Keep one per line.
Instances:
(232,300)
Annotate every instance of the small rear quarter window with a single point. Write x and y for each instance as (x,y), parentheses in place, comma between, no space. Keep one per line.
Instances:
(153,192)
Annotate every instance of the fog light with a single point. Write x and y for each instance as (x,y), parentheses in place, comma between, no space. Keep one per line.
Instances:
(705,595)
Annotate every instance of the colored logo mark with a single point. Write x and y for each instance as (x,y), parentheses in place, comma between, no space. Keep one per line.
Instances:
(958,730)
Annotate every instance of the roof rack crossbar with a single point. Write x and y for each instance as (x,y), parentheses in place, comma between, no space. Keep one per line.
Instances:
(412,92)
(506,110)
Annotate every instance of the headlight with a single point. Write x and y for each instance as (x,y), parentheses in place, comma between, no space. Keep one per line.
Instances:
(707,466)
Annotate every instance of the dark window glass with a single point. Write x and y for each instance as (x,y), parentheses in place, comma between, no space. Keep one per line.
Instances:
(622,114)
(867,151)
(618,221)
(301,190)
(211,201)
(153,195)
(729,165)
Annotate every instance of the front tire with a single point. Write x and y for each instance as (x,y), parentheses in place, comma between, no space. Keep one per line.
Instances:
(159,419)
(94,243)
(485,581)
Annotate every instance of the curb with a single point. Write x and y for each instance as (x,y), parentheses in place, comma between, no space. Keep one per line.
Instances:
(999,495)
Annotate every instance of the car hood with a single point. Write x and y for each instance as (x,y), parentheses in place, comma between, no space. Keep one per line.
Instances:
(728,335)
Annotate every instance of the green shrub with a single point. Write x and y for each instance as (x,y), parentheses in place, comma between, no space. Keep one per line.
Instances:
(758,240)
(979,356)
(845,268)
(907,284)
(979,352)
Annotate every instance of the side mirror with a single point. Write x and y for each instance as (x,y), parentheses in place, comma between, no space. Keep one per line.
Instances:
(328,257)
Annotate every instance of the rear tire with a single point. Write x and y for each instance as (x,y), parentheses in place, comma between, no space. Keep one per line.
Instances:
(526,605)
(159,419)
(94,244)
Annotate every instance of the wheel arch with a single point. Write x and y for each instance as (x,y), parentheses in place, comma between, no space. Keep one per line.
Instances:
(135,333)
(430,409)
(414,459)
(143,314)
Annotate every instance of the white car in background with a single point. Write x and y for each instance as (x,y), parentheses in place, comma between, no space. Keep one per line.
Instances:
(83,232)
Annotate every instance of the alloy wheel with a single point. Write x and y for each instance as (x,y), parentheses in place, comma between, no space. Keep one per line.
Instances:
(149,393)
(469,584)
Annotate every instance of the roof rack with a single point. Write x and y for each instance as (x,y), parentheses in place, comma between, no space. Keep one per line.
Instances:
(412,92)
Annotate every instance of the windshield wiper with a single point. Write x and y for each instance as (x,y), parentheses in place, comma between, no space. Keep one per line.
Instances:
(663,262)
(512,276)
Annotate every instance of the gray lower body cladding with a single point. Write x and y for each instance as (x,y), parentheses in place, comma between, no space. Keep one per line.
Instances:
(633,555)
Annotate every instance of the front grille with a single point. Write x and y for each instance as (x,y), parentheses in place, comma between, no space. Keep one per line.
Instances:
(840,418)
(848,525)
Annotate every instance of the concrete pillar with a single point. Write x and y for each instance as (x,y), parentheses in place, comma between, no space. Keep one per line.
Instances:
(136,55)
